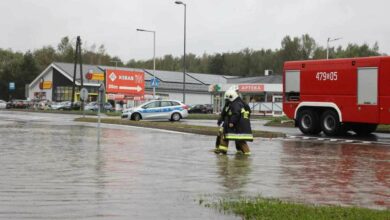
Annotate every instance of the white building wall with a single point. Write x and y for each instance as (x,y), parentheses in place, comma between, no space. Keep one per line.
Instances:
(192,98)
(48,76)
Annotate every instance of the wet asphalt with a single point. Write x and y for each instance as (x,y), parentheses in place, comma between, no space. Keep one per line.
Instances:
(53,168)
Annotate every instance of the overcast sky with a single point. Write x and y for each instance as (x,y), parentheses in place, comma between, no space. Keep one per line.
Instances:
(212,25)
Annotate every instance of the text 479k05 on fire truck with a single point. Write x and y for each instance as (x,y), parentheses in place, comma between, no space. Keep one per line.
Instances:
(338,95)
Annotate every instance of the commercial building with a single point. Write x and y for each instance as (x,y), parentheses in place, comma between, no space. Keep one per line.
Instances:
(55,84)
(56,81)
(262,93)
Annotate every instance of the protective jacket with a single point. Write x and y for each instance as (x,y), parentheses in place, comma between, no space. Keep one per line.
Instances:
(238,114)
(223,115)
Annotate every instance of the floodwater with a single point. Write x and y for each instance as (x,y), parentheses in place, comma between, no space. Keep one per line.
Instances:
(56,170)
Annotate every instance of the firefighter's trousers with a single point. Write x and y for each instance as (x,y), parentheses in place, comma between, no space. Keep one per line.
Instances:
(222,144)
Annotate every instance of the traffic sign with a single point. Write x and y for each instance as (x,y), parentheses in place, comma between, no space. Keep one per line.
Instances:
(84,94)
(12,86)
(154,82)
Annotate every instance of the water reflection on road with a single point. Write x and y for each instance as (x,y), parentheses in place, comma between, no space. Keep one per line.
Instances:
(344,173)
(57,171)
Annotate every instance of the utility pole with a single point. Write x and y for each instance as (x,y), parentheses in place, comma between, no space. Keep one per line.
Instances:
(77,57)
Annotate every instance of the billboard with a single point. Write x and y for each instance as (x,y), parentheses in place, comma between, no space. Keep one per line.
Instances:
(125,82)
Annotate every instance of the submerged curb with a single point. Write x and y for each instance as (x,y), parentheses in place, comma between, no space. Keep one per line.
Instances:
(175,126)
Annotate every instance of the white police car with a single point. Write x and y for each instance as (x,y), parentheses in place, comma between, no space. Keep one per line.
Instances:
(157,109)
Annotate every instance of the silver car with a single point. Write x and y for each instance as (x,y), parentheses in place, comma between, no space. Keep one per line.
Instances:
(157,109)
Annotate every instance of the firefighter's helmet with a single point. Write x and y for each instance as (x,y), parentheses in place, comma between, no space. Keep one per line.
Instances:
(231,95)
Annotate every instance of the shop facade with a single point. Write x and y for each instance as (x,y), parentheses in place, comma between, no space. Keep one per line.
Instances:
(56,81)
(263,93)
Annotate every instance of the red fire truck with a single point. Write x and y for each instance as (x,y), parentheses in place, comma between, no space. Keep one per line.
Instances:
(338,95)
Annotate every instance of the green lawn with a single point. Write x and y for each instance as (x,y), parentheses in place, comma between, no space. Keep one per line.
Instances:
(282,121)
(175,126)
(74,112)
(261,208)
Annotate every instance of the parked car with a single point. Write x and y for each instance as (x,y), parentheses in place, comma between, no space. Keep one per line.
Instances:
(17,103)
(3,104)
(43,105)
(9,105)
(61,105)
(157,109)
(76,105)
(93,106)
(204,109)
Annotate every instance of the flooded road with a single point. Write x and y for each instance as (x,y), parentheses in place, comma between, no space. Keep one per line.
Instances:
(52,168)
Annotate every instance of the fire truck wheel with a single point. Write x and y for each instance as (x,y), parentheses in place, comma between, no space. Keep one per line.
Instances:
(309,122)
(363,129)
(330,123)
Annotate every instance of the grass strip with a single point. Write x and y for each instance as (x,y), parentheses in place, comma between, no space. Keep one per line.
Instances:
(175,126)
(195,116)
(280,122)
(383,129)
(73,112)
(262,208)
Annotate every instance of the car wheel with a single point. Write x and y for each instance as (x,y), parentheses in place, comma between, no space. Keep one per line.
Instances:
(175,117)
(136,117)
(308,122)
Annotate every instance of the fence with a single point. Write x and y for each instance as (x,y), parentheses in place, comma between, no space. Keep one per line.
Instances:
(267,108)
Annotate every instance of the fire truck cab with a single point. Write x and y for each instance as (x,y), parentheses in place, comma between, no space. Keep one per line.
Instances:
(338,95)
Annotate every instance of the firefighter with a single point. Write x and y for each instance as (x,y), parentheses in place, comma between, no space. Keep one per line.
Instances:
(236,124)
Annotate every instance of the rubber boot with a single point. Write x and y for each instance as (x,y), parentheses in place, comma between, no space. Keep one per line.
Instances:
(244,148)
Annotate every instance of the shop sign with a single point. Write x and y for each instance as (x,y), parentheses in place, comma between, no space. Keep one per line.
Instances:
(116,97)
(251,88)
(95,76)
(125,82)
(215,88)
(46,85)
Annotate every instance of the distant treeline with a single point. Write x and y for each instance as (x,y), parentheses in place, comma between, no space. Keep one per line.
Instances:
(22,68)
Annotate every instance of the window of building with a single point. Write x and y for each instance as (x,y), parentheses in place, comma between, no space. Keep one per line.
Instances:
(63,93)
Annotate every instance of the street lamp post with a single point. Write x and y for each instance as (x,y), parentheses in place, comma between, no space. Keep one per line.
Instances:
(327,45)
(154,58)
(184,58)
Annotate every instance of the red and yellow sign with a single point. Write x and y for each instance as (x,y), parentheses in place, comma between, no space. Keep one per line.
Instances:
(46,85)
(251,88)
(125,82)
(95,76)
